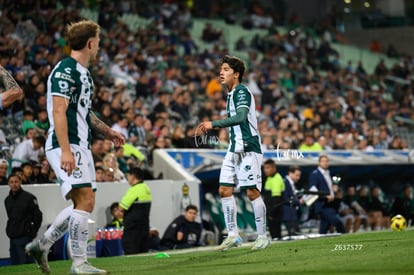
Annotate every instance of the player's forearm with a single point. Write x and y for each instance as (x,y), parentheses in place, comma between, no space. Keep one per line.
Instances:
(7,79)
(61,129)
(60,122)
(231,121)
(10,96)
(98,125)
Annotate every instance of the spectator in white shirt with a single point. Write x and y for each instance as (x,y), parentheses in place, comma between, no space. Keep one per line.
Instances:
(28,150)
(121,126)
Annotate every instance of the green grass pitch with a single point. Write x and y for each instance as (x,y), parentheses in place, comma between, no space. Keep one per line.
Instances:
(384,252)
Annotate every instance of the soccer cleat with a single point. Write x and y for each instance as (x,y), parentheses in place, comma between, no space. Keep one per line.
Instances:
(86,268)
(39,255)
(261,243)
(229,242)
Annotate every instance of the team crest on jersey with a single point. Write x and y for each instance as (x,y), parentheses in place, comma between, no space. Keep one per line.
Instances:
(77,173)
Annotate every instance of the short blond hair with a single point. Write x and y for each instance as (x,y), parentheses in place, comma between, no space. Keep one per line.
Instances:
(80,32)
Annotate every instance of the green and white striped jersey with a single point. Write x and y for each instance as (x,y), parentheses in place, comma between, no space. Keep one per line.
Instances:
(69,79)
(244,137)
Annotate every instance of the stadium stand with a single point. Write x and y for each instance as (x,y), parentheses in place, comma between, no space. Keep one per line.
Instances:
(341,101)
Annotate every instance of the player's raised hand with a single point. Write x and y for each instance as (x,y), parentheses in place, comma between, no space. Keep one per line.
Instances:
(203,127)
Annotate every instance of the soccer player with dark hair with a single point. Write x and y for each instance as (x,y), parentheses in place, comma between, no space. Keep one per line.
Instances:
(241,166)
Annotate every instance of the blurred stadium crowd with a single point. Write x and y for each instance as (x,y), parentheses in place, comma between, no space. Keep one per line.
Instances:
(155,84)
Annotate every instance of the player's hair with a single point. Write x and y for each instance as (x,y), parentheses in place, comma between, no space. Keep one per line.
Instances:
(321,157)
(40,139)
(293,169)
(26,164)
(14,175)
(113,206)
(191,207)
(136,172)
(270,162)
(80,32)
(236,64)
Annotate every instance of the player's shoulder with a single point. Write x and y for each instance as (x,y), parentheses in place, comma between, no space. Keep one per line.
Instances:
(64,70)
(242,89)
(241,92)
(65,64)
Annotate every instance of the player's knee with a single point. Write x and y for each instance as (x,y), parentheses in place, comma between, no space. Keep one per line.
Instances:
(225,191)
(252,193)
(84,201)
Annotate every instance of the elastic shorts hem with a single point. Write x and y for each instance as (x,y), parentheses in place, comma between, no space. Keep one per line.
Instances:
(226,184)
(248,187)
(81,185)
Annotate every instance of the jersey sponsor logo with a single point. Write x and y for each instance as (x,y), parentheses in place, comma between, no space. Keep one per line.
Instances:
(243,102)
(64,76)
(63,87)
(241,96)
(77,173)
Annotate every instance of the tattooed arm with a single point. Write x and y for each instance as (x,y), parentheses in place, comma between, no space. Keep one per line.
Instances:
(100,127)
(13,91)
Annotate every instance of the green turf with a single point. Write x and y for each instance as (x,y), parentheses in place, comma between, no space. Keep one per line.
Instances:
(384,252)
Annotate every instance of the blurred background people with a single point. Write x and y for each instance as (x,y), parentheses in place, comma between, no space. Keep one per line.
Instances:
(136,205)
(275,186)
(24,220)
(183,231)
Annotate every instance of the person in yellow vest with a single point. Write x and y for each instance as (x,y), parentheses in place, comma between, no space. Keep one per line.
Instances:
(117,217)
(136,205)
(309,144)
(275,184)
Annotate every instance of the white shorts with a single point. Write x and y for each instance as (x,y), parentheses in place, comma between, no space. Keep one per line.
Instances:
(82,176)
(242,170)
